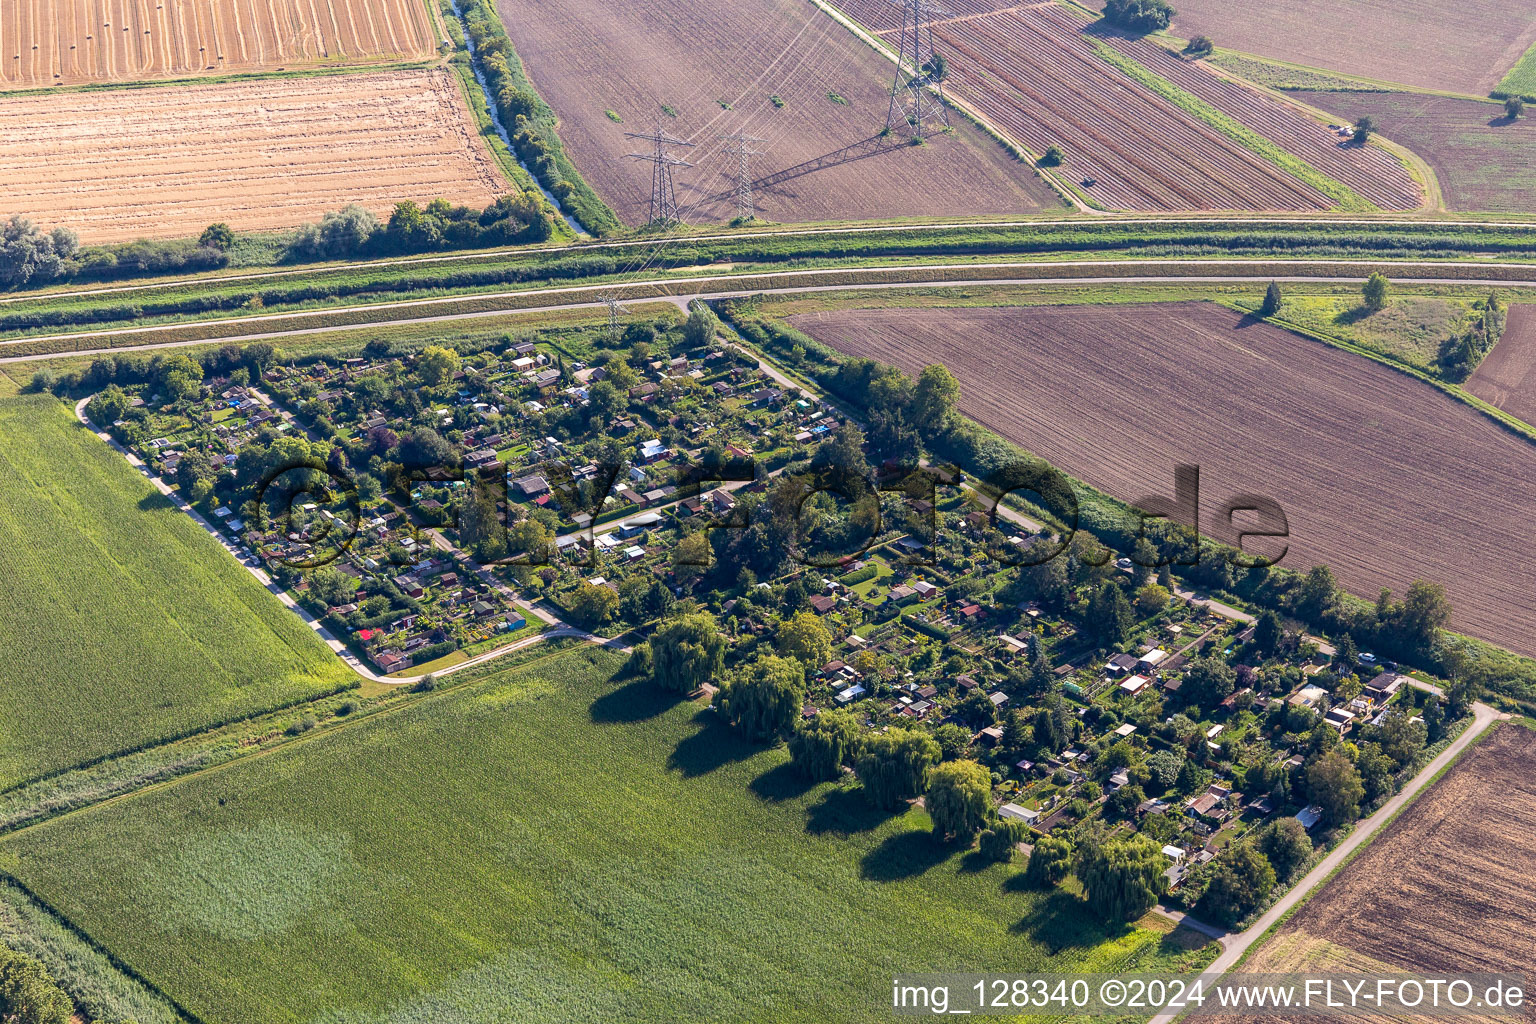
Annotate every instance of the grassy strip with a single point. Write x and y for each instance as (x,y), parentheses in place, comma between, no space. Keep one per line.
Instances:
(536,139)
(1345,197)
(1513,424)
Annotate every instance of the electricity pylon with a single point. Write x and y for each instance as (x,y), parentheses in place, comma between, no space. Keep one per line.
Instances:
(663,194)
(615,310)
(915,110)
(739,146)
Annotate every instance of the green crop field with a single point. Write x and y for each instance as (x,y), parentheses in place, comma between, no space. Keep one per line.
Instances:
(548,844)
(122,622)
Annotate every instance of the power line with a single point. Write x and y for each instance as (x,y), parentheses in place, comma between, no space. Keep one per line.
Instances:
(663,193)
(615,310)
(914,108)
(740,147)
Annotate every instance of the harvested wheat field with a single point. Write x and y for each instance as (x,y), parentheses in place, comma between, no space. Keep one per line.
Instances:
(1482,159)
(1036,72)
(1446,888)
(1464,47)
(73,42)
(789,74)
(273,153)
(1381,476)
(1507,377)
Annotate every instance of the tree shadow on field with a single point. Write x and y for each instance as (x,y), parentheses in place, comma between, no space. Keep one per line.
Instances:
(974,862)
(1062,921)
(844,811)
(1350,317)
(637,701)
(715,745)
(781,783)
(906,855)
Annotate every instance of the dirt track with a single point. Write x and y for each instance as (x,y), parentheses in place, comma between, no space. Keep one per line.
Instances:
(587,58)
(264,154)
(1382,477)
(71,42)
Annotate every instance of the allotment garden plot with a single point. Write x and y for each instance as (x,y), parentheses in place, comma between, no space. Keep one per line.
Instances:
(121,621)
(554,844)
(1371,467)
(782,71)
(1446,888)
(259,155)
(74,42)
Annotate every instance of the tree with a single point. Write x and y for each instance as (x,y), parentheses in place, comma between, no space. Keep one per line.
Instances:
(28,994)
(217,236)
(1400,737)
(1375,292)
(1123,878)
(1163,766)
(893,766)
(1052,157)
(1364,129)
(803,637)
(594,605)
(954,740)
(28,253)
(1000,840)
(1110,616)
(959,799)
(1425,611)
(1334,785)
(1049,862)
(764,699)
(1271,304)
(1139,15)
(436,365)
(1122,803)
(1243,879)
(108,405)
(688,651)
(1514,107)
(700,328)
(1207,682)
(819,748)
(179,378)
(340,234)
(1267,633)
(1152,599)
(1051,725)
(1285,842)
(934,398)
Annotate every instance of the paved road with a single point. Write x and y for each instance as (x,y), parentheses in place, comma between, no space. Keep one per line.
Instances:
(688,288)
(685,237)
(1235,945)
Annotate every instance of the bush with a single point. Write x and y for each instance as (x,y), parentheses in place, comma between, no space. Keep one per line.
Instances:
(1139,15)
(1200,46)
(28,254)
(303,725)
(1053,157)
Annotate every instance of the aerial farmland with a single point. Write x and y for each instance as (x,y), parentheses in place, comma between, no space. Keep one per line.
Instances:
(763,511)
(74,42)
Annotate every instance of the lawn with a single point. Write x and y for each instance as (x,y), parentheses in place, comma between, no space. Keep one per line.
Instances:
(1411,329)
(548,844)
(121,621)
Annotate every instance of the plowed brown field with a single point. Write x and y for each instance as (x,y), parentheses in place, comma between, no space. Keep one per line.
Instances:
(697,56)
(1462,47)
(71,42)
(1507,378)
(1382,477)
(1446,888)
(272,153)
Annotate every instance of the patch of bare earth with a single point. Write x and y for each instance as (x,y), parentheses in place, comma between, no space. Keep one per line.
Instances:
(717,67)
(1463,47)
(1507,377)
(1381,476)
(259,154)
(1445,889)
